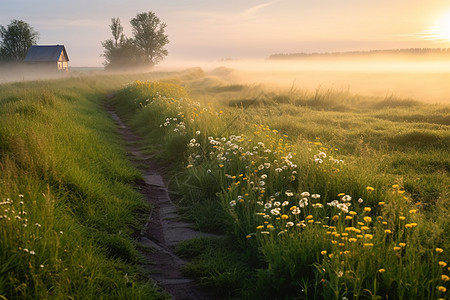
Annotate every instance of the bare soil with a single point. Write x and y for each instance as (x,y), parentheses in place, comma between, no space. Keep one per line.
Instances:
(164,228)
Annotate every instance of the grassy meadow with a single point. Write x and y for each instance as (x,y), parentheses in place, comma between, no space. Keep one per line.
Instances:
(68,207)
(318,194)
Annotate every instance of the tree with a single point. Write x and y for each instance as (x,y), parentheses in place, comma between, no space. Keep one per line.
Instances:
(148,31)
(17,38)
(116,30)
(120,51)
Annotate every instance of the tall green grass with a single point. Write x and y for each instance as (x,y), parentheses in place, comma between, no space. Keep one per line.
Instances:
(68,205)
(321,203)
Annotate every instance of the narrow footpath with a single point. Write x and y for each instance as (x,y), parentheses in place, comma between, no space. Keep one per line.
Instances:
(163,230)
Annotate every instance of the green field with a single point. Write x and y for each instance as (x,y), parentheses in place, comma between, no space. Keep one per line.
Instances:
(318,194)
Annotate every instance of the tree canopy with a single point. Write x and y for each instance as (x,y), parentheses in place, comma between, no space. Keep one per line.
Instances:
(145,48)
(16,39)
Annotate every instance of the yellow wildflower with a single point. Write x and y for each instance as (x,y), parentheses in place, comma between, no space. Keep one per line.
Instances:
(442,263)
(367,219)
(397,248)
(367,209)
(395,186)
(410,225)
(284,217)
(439,250)
(401,218)
(441,288)
(381,270)
(335,218)
(381,203)
(403,245)
(352,240)
(368,236)
(370,189)
(445,277)
(388,231)
(260,227)
(323,252)
(309,217)
(353,213)
(412,211)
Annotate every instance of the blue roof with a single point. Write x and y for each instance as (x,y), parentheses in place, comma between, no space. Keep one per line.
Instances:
(46,53)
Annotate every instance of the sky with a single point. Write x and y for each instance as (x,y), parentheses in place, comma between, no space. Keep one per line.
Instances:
(210,30)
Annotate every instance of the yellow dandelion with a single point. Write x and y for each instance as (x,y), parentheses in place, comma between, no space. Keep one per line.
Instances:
(381,203)
(388,231)
(402,218)
(270,226)
(445,277)
(441,288)
(348,217)
(352,240)
(220,165)
(367,219)
(403,245)
(310,221)
(367,209)
(396,248)
(381,270)
(284,217)
(395,186)
(353,213)
(410,225)
(442,264)
(370,189)
(309,217)
(248,236)
(360,223)
(368,245)
(335,218)
(260,227)
(359,236)
(341,194)
(323,252)
(368,236)
(365,228)
(439,250)
(412,211)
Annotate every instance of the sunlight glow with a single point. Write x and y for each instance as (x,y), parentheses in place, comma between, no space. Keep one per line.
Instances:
(441,30)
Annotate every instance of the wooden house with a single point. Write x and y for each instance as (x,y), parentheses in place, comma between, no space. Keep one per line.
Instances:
(48,58)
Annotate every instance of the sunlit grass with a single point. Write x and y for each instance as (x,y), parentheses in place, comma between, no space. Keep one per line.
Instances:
(317,189)
(68,207)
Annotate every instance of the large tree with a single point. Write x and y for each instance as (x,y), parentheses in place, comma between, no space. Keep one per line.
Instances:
(16,39)
(121,52)
(149,35)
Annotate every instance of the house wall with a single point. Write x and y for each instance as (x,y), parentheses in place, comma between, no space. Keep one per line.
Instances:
(62,63)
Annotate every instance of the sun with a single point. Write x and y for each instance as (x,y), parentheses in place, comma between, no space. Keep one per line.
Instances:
(440,31)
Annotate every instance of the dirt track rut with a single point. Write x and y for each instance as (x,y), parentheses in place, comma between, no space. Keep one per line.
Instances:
(164,229)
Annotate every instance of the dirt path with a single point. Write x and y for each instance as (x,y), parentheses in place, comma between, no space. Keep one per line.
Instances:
(164,230)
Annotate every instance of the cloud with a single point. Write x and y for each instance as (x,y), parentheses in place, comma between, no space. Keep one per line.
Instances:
(254,9)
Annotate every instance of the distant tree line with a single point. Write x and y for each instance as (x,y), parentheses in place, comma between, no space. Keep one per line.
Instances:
(409,51)
(15,40)
(145,48)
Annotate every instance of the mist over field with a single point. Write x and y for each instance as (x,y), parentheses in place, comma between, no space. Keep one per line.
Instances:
(424,80)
